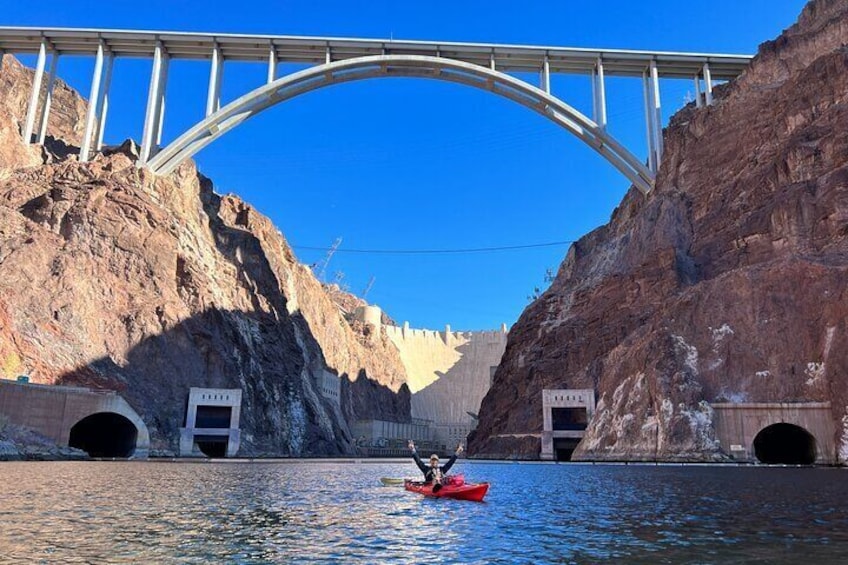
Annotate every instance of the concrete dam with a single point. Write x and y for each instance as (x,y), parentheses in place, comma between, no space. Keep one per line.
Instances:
(448,372)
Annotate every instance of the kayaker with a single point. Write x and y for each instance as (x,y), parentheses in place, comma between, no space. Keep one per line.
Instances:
(433,473)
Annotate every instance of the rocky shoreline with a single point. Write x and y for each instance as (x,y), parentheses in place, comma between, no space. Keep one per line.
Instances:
(18,443)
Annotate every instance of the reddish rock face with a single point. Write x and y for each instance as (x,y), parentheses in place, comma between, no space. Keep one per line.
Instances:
(65,124)
(112,278)
(726,283)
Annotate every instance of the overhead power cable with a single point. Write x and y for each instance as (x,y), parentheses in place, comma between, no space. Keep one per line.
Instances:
(436,251)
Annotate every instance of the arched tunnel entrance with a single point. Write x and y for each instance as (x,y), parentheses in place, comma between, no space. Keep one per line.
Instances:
(105,434)
(785,444)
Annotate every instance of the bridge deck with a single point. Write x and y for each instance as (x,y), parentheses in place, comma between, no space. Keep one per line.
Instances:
(314,50)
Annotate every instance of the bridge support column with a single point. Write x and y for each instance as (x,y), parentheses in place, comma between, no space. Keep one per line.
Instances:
(160,112)
(599,91)
(698,101)
(213,96)
(545,79)
(32,109)
(657,112)
(708,84)
(649,122)
(154,97)
(94,98)
(48,98)
(103,105)
(272,64)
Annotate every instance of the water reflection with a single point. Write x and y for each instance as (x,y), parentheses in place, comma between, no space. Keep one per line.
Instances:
(325,513)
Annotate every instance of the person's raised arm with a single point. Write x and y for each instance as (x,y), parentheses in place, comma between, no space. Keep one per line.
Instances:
(416,458)
(452,460)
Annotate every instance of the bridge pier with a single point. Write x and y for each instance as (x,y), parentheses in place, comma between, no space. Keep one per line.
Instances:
(546,76)
(599,95)
(153,115)
(698,102)
(272,64)
(32,109)
(103,103)
(653,116)
(649,123)
(656,113)
(93,97)
(48,98)
(213,93)
(160,110)
(708,84)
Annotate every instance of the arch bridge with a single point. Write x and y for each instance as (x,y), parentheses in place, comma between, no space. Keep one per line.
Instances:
(333,60)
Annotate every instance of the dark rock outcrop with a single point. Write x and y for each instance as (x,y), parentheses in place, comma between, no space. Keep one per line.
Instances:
(726,283)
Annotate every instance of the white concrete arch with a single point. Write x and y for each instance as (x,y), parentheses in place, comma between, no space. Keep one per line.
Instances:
(113,404)
(418,66)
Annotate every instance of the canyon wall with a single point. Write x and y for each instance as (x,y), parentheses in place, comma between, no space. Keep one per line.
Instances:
(727,283)
(113,278)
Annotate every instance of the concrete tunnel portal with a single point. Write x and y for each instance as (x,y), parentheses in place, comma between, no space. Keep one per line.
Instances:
(105,434)
(785,444)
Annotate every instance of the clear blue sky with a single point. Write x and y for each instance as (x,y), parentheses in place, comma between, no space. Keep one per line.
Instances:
(414,164)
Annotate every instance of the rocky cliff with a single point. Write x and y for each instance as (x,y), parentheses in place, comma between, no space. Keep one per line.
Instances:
(65,124)
(726,283)
(113,278)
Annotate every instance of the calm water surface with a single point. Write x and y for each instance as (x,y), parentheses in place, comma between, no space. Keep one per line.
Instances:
(100,512)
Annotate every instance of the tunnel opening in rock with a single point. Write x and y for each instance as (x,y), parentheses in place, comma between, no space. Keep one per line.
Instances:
(564,448)
(212,446)
(570,419)
(785,444)
(105,434)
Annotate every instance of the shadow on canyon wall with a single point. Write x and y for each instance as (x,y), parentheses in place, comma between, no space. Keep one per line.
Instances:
(283,412)
(272,355)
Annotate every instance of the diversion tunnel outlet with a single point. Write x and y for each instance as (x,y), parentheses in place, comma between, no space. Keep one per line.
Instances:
(785,444)
(564,448)
(105,434)
(212,446)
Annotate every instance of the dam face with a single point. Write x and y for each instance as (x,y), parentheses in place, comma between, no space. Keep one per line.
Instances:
(448,372)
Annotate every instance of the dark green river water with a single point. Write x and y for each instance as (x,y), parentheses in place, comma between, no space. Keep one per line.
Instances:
(148,512)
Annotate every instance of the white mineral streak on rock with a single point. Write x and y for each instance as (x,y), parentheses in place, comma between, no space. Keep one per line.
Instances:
(732,396)
(619,419)
(828,341)
(814,373)
(720,333)
(690,360)
(843,444)
(701,424)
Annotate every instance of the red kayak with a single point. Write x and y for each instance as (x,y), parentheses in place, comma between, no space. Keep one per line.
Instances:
(474,492)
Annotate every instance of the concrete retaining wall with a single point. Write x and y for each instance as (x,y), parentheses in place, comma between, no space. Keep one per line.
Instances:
(737,425)
(54,410)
